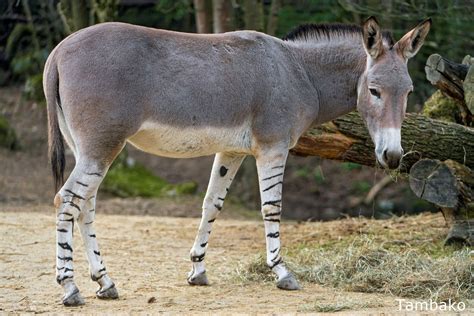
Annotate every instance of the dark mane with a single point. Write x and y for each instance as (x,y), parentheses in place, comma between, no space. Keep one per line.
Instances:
(307,32)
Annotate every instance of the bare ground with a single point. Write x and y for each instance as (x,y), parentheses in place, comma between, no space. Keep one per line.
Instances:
(148,259)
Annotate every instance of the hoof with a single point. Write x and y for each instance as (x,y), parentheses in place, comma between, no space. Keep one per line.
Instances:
(107,294)
(288,283)
(74,299)
(199,279)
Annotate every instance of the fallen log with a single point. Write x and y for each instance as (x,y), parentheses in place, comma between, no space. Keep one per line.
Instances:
(449,185)
(346,139)
(448,77)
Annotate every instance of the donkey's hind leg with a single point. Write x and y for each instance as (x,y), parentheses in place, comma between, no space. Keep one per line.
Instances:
(97,269)
(271,166)
(223,171)
(71,204)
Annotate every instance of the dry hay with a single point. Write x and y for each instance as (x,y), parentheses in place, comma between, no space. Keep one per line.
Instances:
(369,259)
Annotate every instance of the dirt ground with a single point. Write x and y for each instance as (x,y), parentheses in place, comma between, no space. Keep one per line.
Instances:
(148,259)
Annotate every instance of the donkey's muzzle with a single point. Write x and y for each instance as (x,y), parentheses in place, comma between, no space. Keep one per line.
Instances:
(391,158)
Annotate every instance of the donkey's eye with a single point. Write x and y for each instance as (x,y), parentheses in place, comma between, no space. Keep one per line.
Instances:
(375,93)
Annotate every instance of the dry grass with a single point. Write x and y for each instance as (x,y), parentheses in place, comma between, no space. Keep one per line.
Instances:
(402,256)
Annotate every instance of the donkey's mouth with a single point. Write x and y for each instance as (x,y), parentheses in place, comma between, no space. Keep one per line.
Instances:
(388,161)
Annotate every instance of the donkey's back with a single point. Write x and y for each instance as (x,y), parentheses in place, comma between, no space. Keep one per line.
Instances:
(173,94)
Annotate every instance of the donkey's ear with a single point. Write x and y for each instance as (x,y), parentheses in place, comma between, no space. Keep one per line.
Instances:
(372,37)
(412,41)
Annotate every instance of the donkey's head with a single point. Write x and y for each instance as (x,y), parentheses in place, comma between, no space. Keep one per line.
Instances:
(384,87)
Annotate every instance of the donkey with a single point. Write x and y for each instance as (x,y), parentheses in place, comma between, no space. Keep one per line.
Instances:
(233,94)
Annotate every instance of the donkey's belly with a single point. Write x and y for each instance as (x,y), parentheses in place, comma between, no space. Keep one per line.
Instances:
(188,142)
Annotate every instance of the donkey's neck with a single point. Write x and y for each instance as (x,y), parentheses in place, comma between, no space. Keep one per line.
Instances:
(334,68)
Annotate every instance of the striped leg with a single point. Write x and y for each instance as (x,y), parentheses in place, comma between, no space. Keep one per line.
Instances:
(223,171)
(70,203)
(271,166)
(97,269)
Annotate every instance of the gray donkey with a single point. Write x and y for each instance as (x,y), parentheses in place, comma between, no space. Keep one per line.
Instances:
(188,95)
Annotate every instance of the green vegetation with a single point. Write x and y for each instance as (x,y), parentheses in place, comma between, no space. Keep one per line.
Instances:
(311,173)
(440,107)
(8,137)
(349,166)
(125,180)
(392,257)
(361,187)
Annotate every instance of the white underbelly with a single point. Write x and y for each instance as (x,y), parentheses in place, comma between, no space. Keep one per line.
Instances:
(188,142)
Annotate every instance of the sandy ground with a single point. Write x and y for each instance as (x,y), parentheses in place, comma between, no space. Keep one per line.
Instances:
(148,259)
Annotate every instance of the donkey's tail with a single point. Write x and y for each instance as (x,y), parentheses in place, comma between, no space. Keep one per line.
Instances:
(55,138)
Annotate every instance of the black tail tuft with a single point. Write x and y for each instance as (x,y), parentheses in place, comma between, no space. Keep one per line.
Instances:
(57,159)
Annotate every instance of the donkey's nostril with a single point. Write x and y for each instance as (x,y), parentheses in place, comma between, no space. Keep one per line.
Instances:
(392,158)
(385,156)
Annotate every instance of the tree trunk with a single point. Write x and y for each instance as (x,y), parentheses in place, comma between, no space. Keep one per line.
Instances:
(74,14)
(253,15)
(449,185)
(448,77)
(272,23)
(222,15)
(203,10)
(346,139)
(80,14)
(468,85)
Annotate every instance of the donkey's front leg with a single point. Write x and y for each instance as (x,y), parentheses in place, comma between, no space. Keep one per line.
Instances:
(271,166)
(223,171)
(97,269)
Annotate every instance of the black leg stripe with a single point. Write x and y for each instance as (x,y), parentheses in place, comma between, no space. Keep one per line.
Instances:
(211,220)
(88,223)
(94,174)
(83,184)
(62,230)
(102,270)
(276,263)
(271,177)
(276,220)
(65,258)
(203,244)
(274,250)
(219,198)
(97,252)
(273,235)
(274,203)
(273,185)
(67,269)
(61,279)
(273,214)
(74,205)
(66,213)
(219,207)
(65,246)
(198,258)
(279,167)
(90,211)
(92,235)
(95,279)
(74,194)
(67,220)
